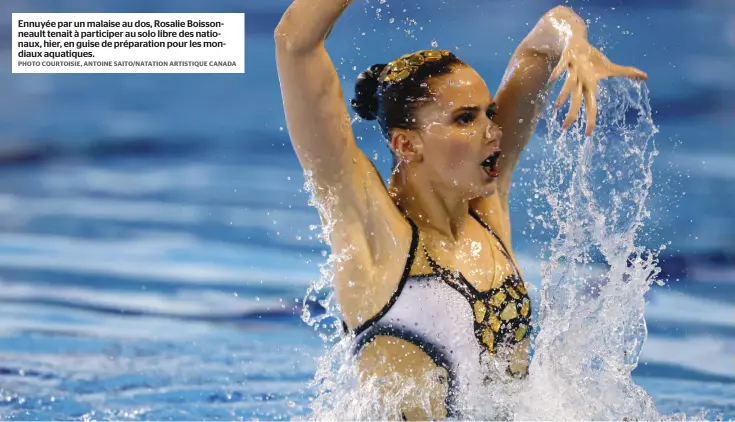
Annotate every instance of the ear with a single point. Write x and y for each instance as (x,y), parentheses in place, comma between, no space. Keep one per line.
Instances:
(407,145)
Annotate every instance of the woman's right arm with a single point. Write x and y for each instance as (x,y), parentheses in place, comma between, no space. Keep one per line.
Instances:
(316,114)
(350,191)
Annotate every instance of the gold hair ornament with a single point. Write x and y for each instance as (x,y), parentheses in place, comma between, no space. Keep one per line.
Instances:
(403,67)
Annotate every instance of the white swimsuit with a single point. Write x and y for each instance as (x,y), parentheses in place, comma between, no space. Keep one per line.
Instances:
(456,325)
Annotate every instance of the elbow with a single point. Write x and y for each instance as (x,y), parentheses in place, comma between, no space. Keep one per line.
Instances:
(283,34)
(560,10)
(289,39)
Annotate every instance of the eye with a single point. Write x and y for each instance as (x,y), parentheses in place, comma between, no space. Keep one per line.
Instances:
(465,118)
(491,111)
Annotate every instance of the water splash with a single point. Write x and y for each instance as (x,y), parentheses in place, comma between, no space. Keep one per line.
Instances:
(321,310)
(594,278)
(594,272)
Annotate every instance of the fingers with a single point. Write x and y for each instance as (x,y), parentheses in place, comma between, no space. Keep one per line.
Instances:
(574,107)
(590,103)
(629,72)
(638,74)
(559,69)
(566,89)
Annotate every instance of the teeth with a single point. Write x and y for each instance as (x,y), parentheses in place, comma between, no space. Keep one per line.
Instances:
(491,161)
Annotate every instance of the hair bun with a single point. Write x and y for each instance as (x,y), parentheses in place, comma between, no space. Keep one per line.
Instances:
(365,102)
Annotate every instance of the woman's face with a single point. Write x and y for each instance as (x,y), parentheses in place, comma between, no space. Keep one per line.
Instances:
(456,134)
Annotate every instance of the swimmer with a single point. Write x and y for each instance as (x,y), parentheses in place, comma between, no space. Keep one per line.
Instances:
(431,288)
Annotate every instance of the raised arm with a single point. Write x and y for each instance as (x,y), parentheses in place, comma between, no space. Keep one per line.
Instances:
(525,85)
(316,115)
(557,43)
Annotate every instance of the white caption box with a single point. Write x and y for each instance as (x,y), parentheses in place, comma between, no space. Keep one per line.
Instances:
(128,43)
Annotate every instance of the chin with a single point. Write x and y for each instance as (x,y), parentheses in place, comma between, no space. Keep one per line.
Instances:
(488,189)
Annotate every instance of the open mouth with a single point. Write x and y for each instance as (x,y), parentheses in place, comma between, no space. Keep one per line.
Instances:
(490,165)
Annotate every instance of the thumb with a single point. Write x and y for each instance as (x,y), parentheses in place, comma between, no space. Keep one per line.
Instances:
(559,69)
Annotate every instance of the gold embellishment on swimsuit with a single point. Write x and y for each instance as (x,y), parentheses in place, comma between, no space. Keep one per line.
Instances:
(521,288)
(480,311)
(520,332)
(511,291)
(525,308)
(501,315)
(488,338)
(497,299)
(509,312)
(494,323)
(403,67)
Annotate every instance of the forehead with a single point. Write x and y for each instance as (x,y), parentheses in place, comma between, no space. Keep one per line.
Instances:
(463,86)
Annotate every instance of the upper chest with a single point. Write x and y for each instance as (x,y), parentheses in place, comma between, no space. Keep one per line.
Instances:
(478,257)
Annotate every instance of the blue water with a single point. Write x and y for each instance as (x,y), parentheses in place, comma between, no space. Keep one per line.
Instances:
(156,241)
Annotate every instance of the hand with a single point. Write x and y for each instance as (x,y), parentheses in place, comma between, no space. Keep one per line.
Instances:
(585,66)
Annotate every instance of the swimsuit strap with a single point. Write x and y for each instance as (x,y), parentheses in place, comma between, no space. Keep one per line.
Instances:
(503,250)
(401,283)
(448,277)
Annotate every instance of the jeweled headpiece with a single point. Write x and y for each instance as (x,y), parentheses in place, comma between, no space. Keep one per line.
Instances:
(403,67)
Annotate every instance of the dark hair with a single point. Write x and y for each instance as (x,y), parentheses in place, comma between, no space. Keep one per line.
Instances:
(393,101)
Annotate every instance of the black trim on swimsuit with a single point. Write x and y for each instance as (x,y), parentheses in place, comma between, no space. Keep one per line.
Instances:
(431,349)
(457,281)
(465,287)
(505,251)
(401,284)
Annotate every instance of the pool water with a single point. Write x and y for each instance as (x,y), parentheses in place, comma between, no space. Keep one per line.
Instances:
(157,243)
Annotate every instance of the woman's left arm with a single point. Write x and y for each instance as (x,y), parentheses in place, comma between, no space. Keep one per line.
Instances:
(557,43)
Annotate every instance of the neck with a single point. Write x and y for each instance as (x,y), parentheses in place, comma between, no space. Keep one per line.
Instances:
(428,206)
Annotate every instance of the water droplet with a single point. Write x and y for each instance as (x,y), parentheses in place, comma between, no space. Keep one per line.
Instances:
(290,403)
(434,44)
(476,248)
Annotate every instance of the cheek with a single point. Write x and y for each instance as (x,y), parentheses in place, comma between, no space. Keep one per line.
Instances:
(452,148)
(458,152)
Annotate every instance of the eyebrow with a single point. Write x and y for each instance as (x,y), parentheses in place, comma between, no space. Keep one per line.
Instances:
(466,108)
(473,108)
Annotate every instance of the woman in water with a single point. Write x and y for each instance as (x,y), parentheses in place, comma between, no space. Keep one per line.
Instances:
(429,285)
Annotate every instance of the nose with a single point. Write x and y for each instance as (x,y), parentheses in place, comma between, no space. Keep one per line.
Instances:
(493,133)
